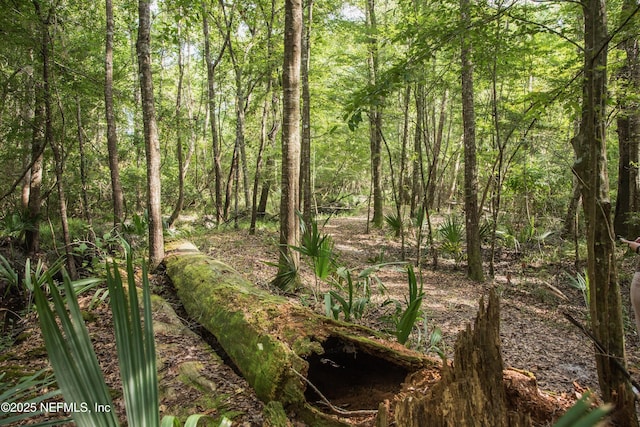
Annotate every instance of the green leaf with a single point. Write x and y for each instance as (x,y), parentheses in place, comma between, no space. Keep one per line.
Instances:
(74,362)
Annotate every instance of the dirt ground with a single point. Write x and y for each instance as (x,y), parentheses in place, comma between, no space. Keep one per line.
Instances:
(535,335)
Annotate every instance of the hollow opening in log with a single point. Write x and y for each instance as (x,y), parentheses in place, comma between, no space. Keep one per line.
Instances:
(352,379)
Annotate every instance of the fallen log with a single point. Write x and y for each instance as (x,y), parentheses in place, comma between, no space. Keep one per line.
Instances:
(331,373)
(287,352)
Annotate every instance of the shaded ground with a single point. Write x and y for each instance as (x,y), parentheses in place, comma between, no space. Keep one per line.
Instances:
(535,335)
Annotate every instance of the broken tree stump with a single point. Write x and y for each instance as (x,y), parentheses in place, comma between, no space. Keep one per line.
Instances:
(282,348)
(471,391)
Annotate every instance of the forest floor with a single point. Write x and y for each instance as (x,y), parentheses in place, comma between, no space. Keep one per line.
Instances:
(536,337)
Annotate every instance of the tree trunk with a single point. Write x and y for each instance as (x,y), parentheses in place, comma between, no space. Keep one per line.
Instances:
(27,121)
(211,97)
(474,252)
(289,199)
(152,142)
(86,209)
(32,234)
(239,148)
(569,228)
(472,391)
(305,160)
(375,120)
(259,156)
(435,152)
(591,169)
(267,138)
(416,187)
(112,136)
(183,161)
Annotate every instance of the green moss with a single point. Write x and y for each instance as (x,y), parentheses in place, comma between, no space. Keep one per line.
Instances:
(13,373)
(266,335)
(191,374)
(274,415)
(238,314)
(22,337)
(88,316)
(305,346)
(36,352)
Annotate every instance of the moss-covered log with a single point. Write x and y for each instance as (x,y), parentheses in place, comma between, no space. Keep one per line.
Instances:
(281,347)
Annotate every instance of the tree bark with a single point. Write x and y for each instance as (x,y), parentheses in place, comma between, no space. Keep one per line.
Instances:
(86,208)
(211,97)
(417,166)
(290,178)
(436,150)
(305,161)
(474,252)
(267,138)
(375,120)
(112,136)
(591,169)
(472,391)
(183,161)
(152,142)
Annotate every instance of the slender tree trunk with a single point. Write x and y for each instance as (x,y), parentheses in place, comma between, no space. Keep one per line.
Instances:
(375,119)
(27,121)
(62,202)
(474,253)
(305,160)
(240,140)
(496,176)
(39,141)
(112,136)
(183,163)
(152,142)
(269,107)
(416,188)
(86,208)
(230,183)
(47,78)
(569,226)
(215,141)
(437,147)
(270,165)
(403,157)
(263,143)
(289,201)
(32,235)
(591,169)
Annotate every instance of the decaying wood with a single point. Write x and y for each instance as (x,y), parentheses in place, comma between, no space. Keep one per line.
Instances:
(271,340)
(292,355)
(471,391)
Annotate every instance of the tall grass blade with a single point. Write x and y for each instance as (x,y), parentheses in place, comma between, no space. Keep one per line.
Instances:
(136,347)
(22,393)
(410,315)
(74,362)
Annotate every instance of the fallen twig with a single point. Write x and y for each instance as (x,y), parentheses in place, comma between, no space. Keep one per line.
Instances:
(331,405)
